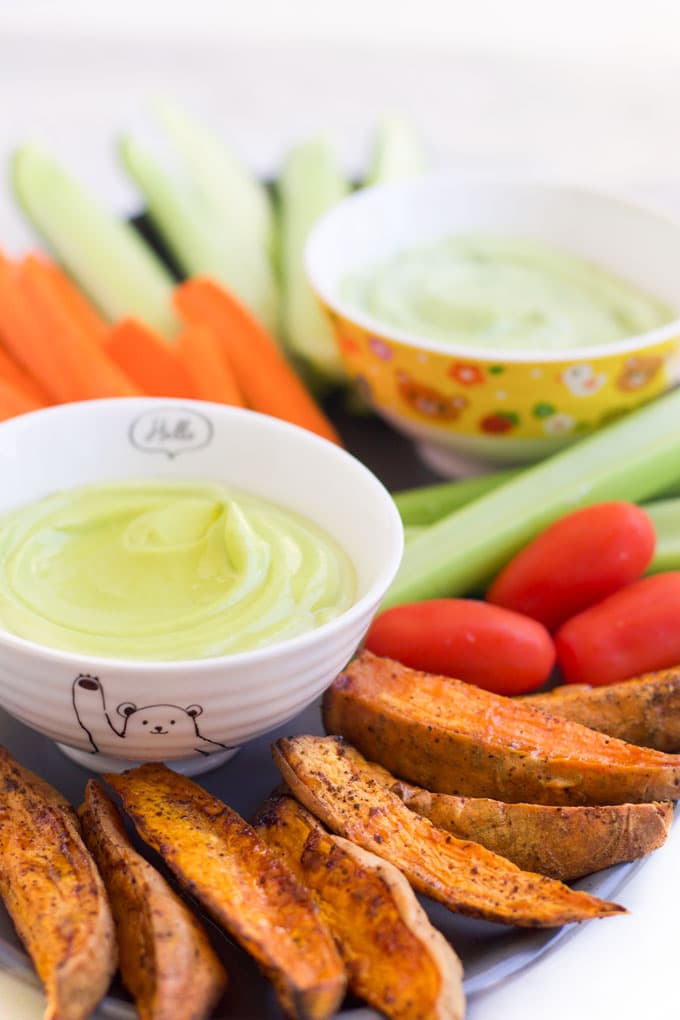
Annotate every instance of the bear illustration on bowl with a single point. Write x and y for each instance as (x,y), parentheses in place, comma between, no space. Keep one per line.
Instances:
(139,726)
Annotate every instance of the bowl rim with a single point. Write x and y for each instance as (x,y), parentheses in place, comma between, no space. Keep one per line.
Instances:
(385,331)
(293,645)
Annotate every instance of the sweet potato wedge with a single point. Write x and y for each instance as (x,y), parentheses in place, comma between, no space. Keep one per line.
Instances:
(451,737)
(562,842)
(243,884)
(331,779)
(54,894)
(166,961)
(395,959)
(643,711)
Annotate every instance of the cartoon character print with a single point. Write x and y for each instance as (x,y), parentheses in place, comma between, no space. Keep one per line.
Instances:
(559,424)
(427,401)
(139,724)
(637,372)
(582,380)
(499,422)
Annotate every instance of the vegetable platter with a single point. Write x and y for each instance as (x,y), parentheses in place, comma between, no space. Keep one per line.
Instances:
(490,952)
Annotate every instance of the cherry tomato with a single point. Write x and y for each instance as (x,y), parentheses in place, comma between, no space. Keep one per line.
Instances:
(485,645)
(636,630)
(576,562)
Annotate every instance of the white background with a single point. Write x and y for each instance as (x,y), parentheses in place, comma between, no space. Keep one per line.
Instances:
(583,90)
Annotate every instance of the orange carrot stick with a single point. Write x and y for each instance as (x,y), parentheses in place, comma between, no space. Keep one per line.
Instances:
(41,335)
(263,375)
(14,401)
(79,308)
(150,361)
(23,336)
(201,354)
(20,380)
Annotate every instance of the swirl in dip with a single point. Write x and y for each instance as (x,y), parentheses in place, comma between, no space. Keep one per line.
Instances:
(166,571)
(487,291)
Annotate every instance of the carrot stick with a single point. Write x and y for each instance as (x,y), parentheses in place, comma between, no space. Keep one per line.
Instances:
(263,375)
(14,401)
(20,380)
(23,336)
(151,362)
(79,308)
(40,333)
(202,356)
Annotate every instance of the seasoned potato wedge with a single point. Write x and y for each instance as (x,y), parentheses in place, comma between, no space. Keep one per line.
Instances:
(54,894)
(243,884)
(643,711)
(166,961)
(562,842)
(331,779)
(395,959)
(451,737)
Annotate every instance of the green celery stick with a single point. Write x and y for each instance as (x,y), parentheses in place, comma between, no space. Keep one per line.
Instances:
(233,205)
(106,257)
(631,459)
(397,152)
(412,530)
(671,491)
(429,503)
(310,184)
(665,516)
(201,242)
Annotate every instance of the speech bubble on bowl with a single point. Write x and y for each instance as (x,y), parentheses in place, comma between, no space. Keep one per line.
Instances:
(171,431)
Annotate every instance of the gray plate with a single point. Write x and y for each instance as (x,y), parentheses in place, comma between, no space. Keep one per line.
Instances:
(490,952)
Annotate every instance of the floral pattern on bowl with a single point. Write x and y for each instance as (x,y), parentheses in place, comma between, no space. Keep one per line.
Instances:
(521,399)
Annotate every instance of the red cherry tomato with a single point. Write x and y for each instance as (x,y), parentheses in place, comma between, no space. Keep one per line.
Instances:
(576,562)
(485,645)
(635,631)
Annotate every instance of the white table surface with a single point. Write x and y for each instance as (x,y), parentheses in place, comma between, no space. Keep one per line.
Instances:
(614,128)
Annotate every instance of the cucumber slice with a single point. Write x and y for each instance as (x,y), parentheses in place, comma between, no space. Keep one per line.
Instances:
(106,256)
(218,177)
(310,184)
(216,218)
(398,152)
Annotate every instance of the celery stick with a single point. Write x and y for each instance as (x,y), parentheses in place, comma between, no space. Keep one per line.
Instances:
(671,491)
(202,243)
(412,530)
(665,515)
(234,206)
(106,257)
(429,503)
(397,153)
(310,184)
(631,459)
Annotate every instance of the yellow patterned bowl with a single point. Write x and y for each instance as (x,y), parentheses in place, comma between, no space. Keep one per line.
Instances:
(469,408)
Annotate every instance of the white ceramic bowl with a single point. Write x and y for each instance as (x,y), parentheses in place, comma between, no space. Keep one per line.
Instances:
(469,407)
(217,703)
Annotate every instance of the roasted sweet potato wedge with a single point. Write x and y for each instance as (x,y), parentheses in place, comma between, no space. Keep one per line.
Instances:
(243,884)
(643,711)
(395,959)
(54,894)
(562,842)
(166,961)
(451,737)
(331,779)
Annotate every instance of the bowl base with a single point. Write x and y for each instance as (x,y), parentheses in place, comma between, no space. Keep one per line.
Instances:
(449,464)
(186,766)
